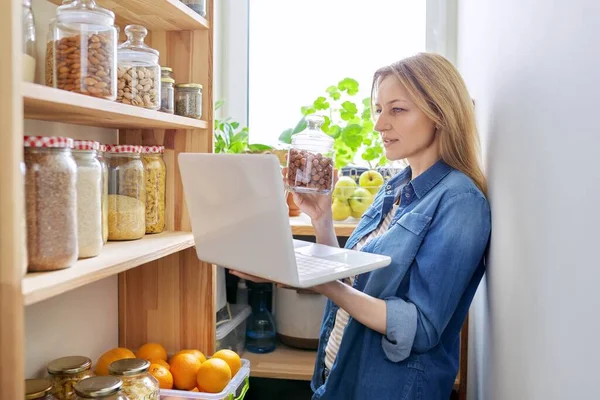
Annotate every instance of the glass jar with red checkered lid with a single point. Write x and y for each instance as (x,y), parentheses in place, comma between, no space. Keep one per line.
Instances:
(50,203)
(155,174)
(104,193)
(126,192)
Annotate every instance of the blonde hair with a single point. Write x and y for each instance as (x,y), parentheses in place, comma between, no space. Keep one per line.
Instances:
(438,90)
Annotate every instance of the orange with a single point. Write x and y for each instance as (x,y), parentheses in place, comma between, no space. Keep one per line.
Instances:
(231,358)
(160,362)
(213,375)
(196,353)
(184,368)
(151,351)
(164,377)
(194,390)
(109,357)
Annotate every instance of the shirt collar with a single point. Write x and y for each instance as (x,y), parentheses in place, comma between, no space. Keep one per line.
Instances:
(423,183)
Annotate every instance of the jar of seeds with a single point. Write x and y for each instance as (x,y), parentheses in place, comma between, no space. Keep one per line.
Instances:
(66,372)
(138,383)
(50,203)
(38,389)
(188,100)
(155,174)
(126,192)
(100,387)
(89,198)
(138,71)
(167,92)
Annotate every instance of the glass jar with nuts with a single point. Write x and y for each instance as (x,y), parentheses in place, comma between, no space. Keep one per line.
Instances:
(66,372)
(138,71)
(138,383)
(100,387)
(81,54)
(38,389)
(311,159)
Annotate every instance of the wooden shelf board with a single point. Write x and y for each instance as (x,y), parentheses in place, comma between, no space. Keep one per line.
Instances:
(159,15)
(301,226)
(283,363)
(115,257)
(50,104)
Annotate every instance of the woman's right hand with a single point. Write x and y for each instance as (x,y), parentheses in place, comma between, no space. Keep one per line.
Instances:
(316,206)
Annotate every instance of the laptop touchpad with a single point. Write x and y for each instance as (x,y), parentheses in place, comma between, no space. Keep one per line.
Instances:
(318,250)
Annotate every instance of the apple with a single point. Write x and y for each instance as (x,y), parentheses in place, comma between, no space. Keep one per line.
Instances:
(360,200)
(344,188)
(371,180)
(340,209)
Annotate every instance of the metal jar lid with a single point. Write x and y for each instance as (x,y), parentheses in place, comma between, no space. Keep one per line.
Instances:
(98,386)
(37,388)
(188,86)
(129,366)
(70,365)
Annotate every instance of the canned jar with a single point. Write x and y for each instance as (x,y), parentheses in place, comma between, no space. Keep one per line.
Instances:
(38,389)
(155,173)
(89,198)
(138,383)
(66,372)
(50,203)
(100,387)
(311,159)
(104,193)
(188,100)
(138,70)
(167,91)
(126,192)
(81,53)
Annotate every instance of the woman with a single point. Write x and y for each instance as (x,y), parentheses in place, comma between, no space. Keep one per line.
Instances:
(394,333)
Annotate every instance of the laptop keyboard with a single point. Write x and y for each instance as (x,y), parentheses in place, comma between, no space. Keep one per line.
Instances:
(311,266)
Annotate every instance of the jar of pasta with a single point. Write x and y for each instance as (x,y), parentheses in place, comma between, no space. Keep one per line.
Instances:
(38,389)
(100,387)
(155,173)
(65,372)
(104,193)
(138,383)
(126,192)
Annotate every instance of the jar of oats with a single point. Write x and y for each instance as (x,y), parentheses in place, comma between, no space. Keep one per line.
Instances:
(38,389)
(138,383)
(155,174)
(81,52)
(89,198)
(100,387)
(138,71)
(126,192)
(50,203)
(66,372)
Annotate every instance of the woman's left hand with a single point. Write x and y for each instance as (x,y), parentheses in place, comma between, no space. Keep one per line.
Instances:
(256,279)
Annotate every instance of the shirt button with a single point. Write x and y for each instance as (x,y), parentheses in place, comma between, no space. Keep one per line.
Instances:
(388,187)
(407,195)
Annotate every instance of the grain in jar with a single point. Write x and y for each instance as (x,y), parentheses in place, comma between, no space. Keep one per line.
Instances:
(38,389)
(126,192)
(188,100)
(104,193)
(167,91)
(66,372)
(155,174)
(101,387)
(89,198)
(138,383)
(50,203)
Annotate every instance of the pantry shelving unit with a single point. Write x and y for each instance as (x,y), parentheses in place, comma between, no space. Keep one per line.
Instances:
(185,316)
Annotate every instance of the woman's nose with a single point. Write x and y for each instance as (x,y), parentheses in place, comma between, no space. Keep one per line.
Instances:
(381,125)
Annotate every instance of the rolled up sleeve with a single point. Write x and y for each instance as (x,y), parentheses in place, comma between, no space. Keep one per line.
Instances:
(444,265)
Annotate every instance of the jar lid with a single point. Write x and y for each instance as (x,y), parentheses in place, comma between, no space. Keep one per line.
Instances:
(47,141)
(167,80)
(69,365)
(86,145)
(153,149)
(36,388)
(123,148)
(98,386)
(313,138)
(85,11)
(129,366)
(102,148)
(167,69)
(134,47)
(189,85)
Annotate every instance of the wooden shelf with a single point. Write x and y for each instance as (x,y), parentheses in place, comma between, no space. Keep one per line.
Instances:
(301,226)
(283,363)
(115,257)
(50,104)
(159,15)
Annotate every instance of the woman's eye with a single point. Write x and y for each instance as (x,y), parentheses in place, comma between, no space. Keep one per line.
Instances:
(396,110)
(378,111)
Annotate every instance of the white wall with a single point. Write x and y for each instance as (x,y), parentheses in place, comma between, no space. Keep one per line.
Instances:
(532,68)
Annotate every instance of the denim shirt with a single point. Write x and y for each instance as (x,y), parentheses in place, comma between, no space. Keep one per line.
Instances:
(437,242)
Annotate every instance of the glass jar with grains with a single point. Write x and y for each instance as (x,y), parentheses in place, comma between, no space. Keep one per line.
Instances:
(138,71)
(81,53)
(89,198)
(167,92)
(28,42)
(138,383)
(104,193)
(188,100)
(126,192)
(155,174)
(101,387)
(65,372)
(50,203)
(38,389)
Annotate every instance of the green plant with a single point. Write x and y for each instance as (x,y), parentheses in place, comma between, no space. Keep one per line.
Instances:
(349,123)
(230,138)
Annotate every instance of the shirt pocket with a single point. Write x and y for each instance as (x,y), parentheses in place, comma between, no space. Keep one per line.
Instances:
(406,236)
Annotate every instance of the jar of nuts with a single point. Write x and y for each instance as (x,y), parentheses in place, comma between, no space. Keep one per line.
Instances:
(311,159)
(100,387)
(38,389)
(81,51)
(65,372)
(138,383)
(138,71)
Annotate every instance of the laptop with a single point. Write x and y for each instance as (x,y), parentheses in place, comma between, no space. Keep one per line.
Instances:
(239,219)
